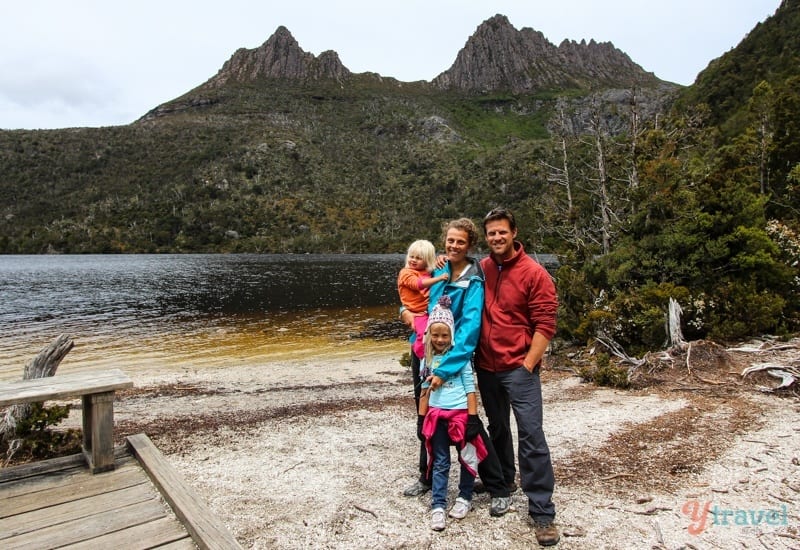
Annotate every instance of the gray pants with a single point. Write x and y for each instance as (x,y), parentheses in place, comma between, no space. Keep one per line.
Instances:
(520,391)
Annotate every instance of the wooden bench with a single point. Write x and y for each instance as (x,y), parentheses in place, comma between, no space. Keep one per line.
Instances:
(96,389)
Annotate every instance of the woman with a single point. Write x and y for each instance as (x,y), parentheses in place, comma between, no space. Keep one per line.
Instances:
(464,287)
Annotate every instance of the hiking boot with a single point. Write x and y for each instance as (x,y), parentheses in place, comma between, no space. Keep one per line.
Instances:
(417,489)
(500,506)
(480,488)
(546,532)
(437,519)
(460,508)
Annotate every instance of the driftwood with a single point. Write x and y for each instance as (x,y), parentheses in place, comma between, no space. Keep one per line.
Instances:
(788,374)
(43,365)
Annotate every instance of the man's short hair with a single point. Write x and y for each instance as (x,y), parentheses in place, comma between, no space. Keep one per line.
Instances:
(500,213)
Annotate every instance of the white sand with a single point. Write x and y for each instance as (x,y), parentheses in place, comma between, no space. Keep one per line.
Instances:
(316,453)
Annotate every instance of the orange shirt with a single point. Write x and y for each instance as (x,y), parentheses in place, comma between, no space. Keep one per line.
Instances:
(412,295)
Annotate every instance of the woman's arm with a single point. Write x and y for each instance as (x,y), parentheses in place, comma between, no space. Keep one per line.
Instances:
(423,402)
(468,326)
(472,403)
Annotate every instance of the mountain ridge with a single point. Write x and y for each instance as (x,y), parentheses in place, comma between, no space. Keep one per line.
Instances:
(496,57)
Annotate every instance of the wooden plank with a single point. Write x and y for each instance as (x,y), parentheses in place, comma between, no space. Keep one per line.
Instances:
(183,544)
(57,478)
(82,486)
(158,533)
(80,529)
(32,477)
(205,528)
(13,474)
(80,507)
(62,386)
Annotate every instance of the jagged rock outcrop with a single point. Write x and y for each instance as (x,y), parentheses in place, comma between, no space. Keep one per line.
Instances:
(500,57)
(280,57)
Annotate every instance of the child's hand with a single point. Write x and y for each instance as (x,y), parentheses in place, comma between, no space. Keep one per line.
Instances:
(436,382)
(408,318)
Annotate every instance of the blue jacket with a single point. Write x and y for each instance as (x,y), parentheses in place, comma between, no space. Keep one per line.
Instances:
(466,303)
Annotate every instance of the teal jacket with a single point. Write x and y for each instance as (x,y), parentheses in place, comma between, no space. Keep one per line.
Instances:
(466,303)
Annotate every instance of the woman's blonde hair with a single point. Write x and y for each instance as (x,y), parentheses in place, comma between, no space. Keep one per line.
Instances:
(425,250)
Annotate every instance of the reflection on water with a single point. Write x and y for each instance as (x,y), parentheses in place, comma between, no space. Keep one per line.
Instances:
(190,310)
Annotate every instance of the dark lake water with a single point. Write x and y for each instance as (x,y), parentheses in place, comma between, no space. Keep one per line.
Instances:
(190,310)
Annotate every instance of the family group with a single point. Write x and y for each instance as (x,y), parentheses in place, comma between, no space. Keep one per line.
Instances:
(480,324)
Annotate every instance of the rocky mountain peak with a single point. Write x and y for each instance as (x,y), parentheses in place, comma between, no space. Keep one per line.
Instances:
(280,57)
(500,57)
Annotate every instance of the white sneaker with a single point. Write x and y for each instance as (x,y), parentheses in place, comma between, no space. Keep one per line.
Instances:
(460,508)
(437,519)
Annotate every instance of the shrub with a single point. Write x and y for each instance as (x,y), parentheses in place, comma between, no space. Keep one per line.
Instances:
(604,373)
(38,441)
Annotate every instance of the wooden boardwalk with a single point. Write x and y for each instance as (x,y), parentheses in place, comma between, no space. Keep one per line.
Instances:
(142,503)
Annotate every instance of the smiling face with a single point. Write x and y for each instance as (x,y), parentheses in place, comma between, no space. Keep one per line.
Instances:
(415,261)
(440,337)
(500,238)
(456,245)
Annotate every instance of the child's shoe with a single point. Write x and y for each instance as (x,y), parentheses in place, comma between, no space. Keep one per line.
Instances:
(460,508)
(437,519)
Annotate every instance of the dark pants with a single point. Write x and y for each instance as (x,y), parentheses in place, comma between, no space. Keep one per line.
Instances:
(520,391)
(489,468)
(423,454)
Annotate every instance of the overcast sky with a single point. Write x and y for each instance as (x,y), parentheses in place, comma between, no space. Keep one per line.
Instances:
(70,63)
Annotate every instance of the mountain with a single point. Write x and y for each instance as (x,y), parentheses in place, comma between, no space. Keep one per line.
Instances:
(280,57)
(500,57)
(284,151)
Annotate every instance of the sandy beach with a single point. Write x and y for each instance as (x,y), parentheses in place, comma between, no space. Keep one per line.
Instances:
(315,453)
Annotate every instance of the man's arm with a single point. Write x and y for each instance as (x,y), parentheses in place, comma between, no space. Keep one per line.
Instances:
(543,308)
(536,351)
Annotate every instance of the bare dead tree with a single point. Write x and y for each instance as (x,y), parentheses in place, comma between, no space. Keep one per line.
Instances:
(43,365)
(560,175)
(761,105)
(634,137)
(598,134)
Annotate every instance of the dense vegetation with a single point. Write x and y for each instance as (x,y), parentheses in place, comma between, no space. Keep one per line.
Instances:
(698,203)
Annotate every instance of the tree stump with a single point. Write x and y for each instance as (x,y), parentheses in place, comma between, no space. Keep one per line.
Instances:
(43,365)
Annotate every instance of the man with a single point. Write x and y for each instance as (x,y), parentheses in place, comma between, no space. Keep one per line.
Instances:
(517,324)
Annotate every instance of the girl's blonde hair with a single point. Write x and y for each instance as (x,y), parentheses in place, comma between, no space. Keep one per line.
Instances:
(425,250)
(429,345)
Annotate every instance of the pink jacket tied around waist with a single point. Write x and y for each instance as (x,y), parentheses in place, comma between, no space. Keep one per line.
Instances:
(470,453)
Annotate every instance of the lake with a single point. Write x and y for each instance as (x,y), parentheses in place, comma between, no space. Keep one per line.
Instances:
(194,310)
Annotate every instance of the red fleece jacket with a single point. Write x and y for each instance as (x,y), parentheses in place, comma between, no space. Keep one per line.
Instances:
(520,299)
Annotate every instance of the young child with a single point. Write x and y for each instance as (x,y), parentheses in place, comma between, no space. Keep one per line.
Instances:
(413,284)
(450,417)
